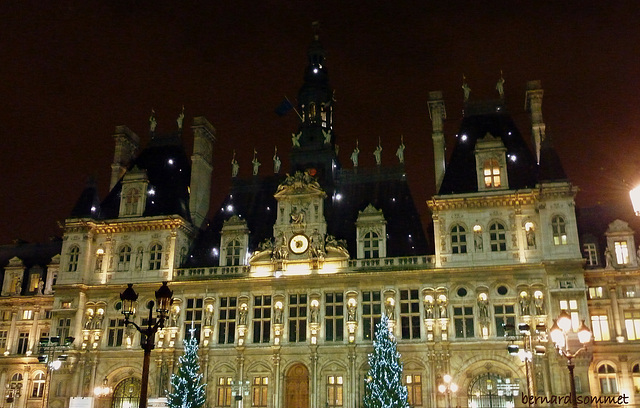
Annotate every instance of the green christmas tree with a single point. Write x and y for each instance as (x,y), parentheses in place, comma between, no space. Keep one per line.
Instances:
(383,385)
(187,390)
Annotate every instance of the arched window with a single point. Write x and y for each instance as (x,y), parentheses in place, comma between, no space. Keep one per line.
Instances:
(14,386)
(124,258)
(559,230)
(127,394)
(74,254)
(607,379)
(371,245)
(491,172)
(38,385)
(497,237)
(458,240)
(234,249)
(131,198)
(635,373)
(155,257)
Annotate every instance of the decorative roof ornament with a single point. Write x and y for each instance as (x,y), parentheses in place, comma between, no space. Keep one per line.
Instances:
(500,86)
(276,161)
(465,88)
(378,153)
(256,164)
(354,155)
(153,123)
(299,183)
(400,151)
(180,119)
(234,165)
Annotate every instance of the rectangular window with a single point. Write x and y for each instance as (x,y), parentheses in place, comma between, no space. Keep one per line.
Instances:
(34,282)
(297,318)
(463,322)
(23,343)
(632,324)
(505,318)
(334,391)
(115,332)
(371,313)
(414,389)
(261,319)
(590,254)
(259,391)
(194,311)
(629,291)
(64,326)
(227,320)
(3,341)
(333,316)
(27,314)
(410,314)
(571,306)
(224,391)
(622,252)
(5,315)
(600,328)
(595,292)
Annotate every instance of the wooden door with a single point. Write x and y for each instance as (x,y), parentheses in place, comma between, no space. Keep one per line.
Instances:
(297,387)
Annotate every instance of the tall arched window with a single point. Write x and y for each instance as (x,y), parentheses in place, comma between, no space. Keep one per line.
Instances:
(635,373)
(127,394)
(559,230)
(38,385)
(497,237)
(74,254)
(124,258)
(607,379)
(131,198)
(491,172)
(458,240)
(155,257)
(371,245)
(234,250)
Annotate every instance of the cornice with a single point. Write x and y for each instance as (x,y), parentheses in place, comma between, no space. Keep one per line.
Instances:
(128,225)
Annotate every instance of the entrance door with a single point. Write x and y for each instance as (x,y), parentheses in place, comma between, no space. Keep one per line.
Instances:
(492,391)
(297,387)
(127,394)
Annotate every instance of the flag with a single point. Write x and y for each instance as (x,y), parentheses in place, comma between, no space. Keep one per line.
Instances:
(284,107)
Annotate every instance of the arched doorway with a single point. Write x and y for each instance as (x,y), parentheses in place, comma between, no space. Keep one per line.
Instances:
(297,387)
(127,394)
(492,391)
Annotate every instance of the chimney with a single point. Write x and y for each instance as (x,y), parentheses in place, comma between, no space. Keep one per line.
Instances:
(127,144)
(204,134)
(533,105)
(437,113)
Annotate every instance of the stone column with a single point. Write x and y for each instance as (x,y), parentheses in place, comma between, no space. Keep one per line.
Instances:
(615,307)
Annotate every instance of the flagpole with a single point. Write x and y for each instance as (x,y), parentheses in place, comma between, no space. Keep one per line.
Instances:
(294,108)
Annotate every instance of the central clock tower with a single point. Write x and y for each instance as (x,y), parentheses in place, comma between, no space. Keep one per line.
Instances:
(300,227)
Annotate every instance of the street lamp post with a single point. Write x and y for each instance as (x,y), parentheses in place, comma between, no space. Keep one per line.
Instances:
(164,298)
(48,347)
(560,335)
(526,354)
(447,387)
(14,390)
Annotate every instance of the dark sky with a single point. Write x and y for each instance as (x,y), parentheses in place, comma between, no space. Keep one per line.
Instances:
(71,71)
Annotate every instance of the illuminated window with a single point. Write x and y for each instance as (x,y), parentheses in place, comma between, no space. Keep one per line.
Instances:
(3,341)
(334,391)
(463,322)
(491,172)
(590,253)
(458,240)
(74,253)
(410,314)
(124,258)
(371,245)
(629,291)
(607,379)
(622,252)
(64,327)
(27,314)
(234,251)
(115,332)
(497,237)
(297,318)
(559,230)
(414,389)
(259,391)
(131,199)
(224,391)
(261,319)
(371,313)
(600,328)
(227,319)
(505,316)
(334,316)
(635,372)
(193,312)
(595,292)
(632,324)
(38,385)
(155,257)
(571,306)
(34,282)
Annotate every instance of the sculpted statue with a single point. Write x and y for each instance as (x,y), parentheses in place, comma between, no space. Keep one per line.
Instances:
(354,156)
(378,154)
(400,151)
(180,118)
(152,121)
(465,88)
(327,136)
(242,315)
(276,161)
(295,139)
(500,86)
(256,164)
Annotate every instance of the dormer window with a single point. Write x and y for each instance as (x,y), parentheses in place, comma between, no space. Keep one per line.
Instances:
(134,193)
(372,233)
(371,243)
(131,200)
(622,252)
(234,242)
(234,253)
(491,173)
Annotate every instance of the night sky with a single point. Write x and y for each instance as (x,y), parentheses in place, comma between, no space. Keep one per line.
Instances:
(72,71)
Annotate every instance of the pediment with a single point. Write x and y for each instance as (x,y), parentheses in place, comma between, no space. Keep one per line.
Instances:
(300,184)
(619,226)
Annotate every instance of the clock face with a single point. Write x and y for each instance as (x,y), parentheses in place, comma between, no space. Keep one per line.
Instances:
(299,244)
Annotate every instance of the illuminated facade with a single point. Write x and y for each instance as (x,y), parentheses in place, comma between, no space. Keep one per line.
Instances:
(284,286)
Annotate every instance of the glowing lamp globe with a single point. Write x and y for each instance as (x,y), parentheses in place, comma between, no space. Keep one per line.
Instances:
(564,321)
(635,199)
(584,334)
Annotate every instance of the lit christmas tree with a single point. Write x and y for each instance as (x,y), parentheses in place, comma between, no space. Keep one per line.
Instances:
(187,390)
(383,386)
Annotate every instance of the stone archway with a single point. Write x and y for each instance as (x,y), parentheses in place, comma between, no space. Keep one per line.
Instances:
(297,387)
(490,390)
(127,393)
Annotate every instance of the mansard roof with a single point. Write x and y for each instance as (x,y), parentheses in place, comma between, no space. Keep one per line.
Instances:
(30,254)
(385,188)
(88,204)
(479,119)
(169,172)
